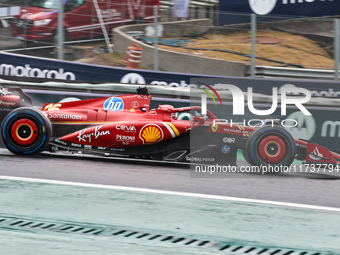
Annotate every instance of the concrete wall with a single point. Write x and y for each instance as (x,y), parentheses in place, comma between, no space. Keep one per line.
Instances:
(177,62)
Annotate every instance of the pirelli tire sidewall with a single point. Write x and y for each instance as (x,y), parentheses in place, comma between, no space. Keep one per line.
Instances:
(260,138)
(26,131)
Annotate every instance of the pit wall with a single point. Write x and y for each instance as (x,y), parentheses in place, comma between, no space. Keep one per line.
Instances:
(177,62)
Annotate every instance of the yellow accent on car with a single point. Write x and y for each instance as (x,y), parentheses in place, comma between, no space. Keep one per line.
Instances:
(174,129)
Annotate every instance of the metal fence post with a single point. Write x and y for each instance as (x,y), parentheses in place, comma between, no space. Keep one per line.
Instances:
(101,21)
(336,48)
(61,31)
(170,14)
(155,13)
(215,15)
(207,12)
(196,12)
(253,43)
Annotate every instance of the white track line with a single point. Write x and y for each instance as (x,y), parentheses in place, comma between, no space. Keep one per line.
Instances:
(174,193)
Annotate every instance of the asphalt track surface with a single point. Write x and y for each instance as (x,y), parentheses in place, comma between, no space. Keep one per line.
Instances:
(320,189)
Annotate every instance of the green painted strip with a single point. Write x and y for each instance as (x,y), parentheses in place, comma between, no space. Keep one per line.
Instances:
(211,95)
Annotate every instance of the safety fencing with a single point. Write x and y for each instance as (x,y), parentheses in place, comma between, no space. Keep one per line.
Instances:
(229,41)
(87,19)
(168,91)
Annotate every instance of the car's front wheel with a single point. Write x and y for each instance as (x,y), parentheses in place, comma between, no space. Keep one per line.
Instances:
(270,146)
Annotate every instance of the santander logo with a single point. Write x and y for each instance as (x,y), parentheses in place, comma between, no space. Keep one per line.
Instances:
(316,154)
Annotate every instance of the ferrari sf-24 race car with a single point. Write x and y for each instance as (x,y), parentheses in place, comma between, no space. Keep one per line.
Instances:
(125,126)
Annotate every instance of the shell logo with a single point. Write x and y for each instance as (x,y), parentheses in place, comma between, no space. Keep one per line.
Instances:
(151,133)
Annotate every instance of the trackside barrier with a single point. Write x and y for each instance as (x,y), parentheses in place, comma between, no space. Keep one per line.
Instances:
(293,73)
(104,88)
(172,92)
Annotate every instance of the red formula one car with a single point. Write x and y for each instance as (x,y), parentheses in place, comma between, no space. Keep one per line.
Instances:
(125,126)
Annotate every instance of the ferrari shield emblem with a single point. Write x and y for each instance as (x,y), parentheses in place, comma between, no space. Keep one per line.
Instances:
(214,127)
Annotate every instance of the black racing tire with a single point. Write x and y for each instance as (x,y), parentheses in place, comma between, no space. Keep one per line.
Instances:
(26,131)
(273,146)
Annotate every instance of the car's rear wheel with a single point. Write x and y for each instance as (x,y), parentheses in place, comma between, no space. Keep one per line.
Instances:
(270,146)
(26,131)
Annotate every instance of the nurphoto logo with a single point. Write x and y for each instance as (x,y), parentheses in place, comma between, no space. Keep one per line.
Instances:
(239,100)
(239,103)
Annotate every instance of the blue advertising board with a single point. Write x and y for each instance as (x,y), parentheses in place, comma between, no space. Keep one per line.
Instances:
(20,67)
(25,68)
(301,8)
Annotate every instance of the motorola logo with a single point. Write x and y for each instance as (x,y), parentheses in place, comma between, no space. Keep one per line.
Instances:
(133,78)
(305,128)
(262,7)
